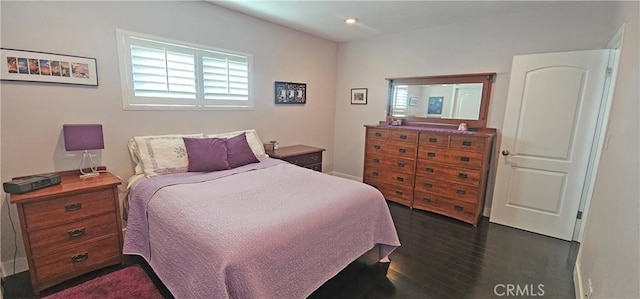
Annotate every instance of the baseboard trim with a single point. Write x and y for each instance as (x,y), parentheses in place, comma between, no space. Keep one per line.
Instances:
(21,266)
(577,281)
(486,212)
(346,176)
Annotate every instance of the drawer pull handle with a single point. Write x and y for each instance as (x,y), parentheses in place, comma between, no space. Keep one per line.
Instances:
(459,191)
(375,173)
(73,207)
(433,139)
(426,199)
(400,164)
(378,134)
(80,257)
(403,136)
(376,160)
(74,233)
(431,154)
(314,158)
(428,185)
(400,179)
(398,192)
(462,175)
(402,150)
(429,169)
(376,146)
(464,159)
(466,143)
(459,208)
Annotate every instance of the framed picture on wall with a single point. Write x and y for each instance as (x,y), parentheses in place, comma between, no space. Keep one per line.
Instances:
(358,96)
(413,101)
(31,66)
(290,93)
(435,105)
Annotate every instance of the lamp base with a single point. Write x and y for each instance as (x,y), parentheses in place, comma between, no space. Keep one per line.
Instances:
(89,175)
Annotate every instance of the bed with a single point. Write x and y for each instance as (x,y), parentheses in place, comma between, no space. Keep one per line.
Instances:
(262,230)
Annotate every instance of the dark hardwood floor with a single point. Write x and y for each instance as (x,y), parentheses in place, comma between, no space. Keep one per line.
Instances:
(439,258)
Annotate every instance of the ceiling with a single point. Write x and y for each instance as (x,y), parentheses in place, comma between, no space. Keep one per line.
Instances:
(375,18)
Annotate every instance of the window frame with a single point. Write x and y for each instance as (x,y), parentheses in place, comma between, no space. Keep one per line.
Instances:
(132,102)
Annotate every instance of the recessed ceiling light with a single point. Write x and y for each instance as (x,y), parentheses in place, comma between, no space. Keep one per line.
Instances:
(351,20)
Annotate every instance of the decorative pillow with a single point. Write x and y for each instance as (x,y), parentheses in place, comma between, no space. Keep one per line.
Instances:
(206,154)
(163,154)
(252,139)
(239,152)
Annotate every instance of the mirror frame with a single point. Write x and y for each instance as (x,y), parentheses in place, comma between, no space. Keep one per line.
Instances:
(485,78)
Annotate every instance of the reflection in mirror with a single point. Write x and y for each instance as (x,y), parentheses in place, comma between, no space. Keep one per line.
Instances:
(448,99)
(457,101)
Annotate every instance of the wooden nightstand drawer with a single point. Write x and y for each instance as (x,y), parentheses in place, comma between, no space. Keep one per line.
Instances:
(305,160)
(49,240)
(68,208)
(301,155)
(52,269)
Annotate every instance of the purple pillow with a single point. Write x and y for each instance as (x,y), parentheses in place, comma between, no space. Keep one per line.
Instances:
(239,152)
(206,154)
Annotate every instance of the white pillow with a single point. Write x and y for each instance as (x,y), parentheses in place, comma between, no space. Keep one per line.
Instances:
(133,151)
(163,154)
(252,139)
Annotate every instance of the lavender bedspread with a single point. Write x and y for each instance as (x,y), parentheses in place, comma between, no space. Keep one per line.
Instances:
(266,230)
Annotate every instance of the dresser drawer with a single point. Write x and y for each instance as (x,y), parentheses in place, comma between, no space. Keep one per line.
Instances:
(389,177)
(397,193)
(448,189)
(404,136)
(391,163)
(399,150)
(378,134)
(452,208)
(465,176)
(434,139)
(45,241)
(68,208)
(451,157)
(470,143)
(305,160)
(51,269)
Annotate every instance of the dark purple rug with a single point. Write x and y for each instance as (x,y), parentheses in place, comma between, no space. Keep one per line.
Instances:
(130,282)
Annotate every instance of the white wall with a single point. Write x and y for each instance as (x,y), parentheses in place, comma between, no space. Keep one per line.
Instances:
(474,47)
(610,252)
(33,113)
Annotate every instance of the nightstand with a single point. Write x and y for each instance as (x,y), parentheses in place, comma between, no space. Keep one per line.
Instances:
(71,228)
(301,155)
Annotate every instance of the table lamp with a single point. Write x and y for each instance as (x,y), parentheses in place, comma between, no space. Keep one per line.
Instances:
(84,138)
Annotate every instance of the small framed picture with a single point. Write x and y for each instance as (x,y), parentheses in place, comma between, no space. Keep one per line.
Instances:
(358,96)
(413,101)
(290,93)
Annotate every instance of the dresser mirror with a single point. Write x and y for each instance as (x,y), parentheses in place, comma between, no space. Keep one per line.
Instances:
(445,100)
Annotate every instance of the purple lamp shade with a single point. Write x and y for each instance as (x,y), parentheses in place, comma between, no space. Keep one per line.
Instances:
(82,137)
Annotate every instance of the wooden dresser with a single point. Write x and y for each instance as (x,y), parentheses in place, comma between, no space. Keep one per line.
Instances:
(436,170)
(301,155)
(71,228)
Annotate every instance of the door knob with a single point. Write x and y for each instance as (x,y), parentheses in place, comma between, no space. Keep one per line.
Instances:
(505,152)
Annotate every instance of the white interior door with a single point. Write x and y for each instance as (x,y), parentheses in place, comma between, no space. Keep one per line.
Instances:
(550,119)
